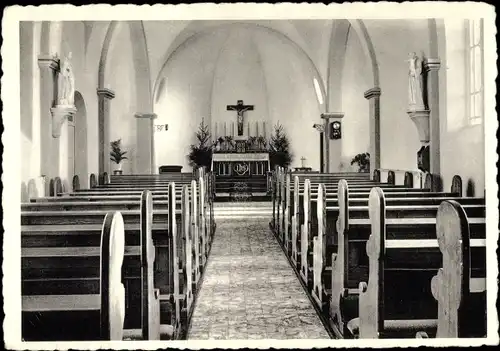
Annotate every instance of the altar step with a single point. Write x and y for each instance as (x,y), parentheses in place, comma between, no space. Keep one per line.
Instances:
(228,185)
(248,197)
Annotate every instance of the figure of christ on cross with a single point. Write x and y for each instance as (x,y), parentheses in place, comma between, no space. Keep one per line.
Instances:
(240,108)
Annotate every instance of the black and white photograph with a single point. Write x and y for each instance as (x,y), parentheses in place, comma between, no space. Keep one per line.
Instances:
(249,175)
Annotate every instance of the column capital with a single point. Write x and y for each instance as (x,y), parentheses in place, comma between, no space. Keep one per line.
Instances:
(330,115)
(432,64)
(48,61)
(105,92)
(373,92)
(145,115)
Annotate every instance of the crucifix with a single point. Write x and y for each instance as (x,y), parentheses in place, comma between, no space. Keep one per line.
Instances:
(303,161)
(240,108)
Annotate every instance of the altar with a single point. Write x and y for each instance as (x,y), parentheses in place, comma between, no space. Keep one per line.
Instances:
(240,165)
(240,160)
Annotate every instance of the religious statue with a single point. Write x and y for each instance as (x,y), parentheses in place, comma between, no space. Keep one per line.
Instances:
(240,108)
(415,91)
(66,83)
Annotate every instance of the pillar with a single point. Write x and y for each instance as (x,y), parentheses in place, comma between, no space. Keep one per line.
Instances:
(61,117)
(431,68)
(373,97)
(144,155)
(333,148)
(49,67)
(104,96)
(321,129)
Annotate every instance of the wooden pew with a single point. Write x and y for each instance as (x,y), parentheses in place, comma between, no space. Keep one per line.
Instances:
(164,233)
(282,201)
(75,183)
(92,181)
(115,199)
(303,228)
(409,255)
(335,232)
(80,311)
(460,296)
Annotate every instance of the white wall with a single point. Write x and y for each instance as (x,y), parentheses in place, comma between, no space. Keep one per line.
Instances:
(186,99)
(239,75)
(36,130)
(355,124)
(392,41)
(292,98)
(121,79)
(462,145)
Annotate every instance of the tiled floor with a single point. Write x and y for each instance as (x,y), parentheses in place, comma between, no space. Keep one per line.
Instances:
(249,290)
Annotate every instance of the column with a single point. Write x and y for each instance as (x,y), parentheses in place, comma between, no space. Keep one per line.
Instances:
(373,97)
(49,67)
(321,129)
(431,68)
(104,96)
(333,148)
(144,155)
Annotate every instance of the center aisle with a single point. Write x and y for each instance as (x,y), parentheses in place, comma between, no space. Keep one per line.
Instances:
(249,290)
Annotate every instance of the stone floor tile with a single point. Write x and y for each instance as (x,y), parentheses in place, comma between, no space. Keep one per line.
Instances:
(249,290)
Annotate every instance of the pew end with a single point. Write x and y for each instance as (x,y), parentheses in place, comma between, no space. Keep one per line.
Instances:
(83,311)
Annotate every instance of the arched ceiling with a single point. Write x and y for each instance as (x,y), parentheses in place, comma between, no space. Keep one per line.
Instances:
(164,38)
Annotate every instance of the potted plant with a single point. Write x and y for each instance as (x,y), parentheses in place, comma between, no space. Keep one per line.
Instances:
(279,148)
(200,155)
(363,161)
(117,155)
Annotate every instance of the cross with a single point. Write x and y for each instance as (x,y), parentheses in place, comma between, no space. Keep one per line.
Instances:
(303,159)
(240,108)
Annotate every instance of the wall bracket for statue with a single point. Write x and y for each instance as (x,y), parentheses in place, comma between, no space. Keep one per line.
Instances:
(421,120)
(59,114)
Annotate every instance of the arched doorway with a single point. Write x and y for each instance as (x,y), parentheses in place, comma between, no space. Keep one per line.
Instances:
(77,142)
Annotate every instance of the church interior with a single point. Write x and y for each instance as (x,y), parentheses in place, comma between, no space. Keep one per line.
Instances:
(254,179)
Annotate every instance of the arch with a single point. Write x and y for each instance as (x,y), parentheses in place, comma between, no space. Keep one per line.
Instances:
(192,36)
(144,98)
(81,147)
(338,45)
(339,41)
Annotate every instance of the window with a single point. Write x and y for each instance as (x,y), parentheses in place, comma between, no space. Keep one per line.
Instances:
(475,70)
(318,91)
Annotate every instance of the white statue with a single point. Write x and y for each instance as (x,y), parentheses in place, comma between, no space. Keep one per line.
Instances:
(415,92)
(66,83)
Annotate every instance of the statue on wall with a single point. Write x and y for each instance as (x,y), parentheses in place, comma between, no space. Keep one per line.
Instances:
(415,86)
(66,83)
